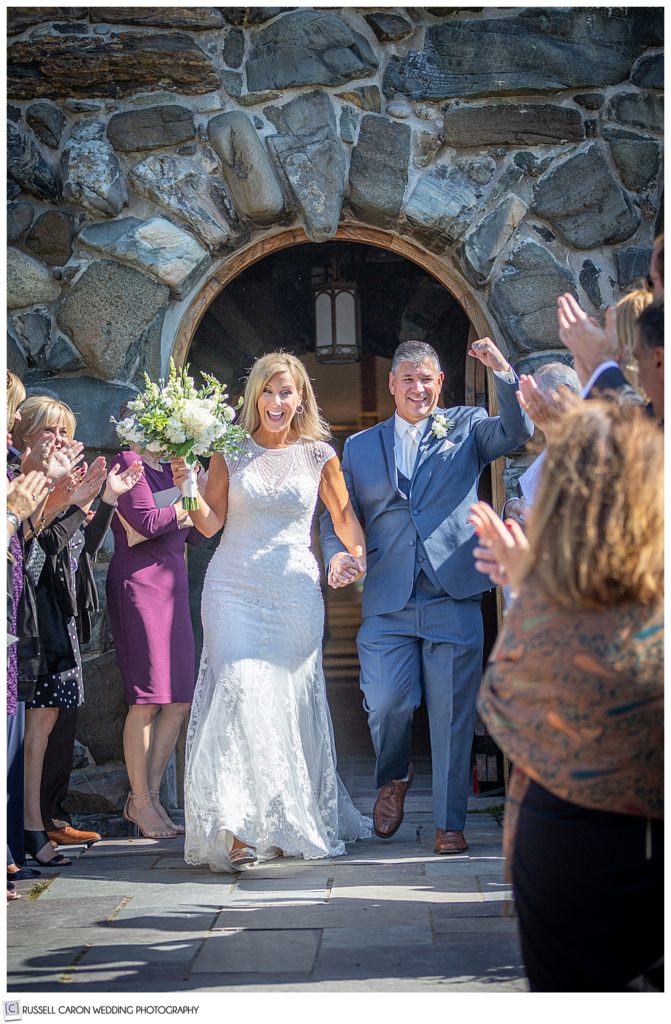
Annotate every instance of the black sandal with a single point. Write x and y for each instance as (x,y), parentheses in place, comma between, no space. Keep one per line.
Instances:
(22,874)
(36,839)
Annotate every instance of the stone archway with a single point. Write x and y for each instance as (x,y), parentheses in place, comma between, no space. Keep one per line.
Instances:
(348,232)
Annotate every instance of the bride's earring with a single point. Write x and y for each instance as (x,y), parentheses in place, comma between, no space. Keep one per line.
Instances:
(300,409)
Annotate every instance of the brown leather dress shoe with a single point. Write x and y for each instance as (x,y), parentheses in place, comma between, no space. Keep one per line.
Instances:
(449,842)
(388,810)
(70,836)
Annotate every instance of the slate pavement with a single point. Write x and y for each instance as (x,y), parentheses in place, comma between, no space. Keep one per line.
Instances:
(130,916)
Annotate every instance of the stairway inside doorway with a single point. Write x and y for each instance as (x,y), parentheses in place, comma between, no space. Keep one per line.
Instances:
(341,669)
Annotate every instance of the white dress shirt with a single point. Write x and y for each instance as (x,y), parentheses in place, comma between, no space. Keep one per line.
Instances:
(406,443)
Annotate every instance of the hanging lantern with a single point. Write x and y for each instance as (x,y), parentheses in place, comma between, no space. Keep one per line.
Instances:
(337,316)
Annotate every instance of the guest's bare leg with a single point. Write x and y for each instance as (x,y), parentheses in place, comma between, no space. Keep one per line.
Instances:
(39,724)
(137,744)
(167,725)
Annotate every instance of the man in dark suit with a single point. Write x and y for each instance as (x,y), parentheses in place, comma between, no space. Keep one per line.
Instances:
(411,480)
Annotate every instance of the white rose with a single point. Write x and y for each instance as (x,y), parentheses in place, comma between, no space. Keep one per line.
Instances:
(195,418)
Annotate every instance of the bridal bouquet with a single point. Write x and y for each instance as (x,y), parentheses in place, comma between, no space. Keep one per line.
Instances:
(172,419)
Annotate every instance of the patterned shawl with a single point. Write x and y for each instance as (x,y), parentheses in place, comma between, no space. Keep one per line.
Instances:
(575,699)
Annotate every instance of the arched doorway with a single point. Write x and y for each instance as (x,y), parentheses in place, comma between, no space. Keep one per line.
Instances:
(265,302)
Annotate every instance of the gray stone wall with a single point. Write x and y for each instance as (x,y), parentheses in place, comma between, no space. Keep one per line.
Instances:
(522,146)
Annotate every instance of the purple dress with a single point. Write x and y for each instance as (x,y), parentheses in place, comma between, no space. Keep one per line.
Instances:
(147,595)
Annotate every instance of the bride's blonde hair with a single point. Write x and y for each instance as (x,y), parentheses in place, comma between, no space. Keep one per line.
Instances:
(308,421)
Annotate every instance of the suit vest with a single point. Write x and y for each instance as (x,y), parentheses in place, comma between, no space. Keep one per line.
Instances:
(422,562)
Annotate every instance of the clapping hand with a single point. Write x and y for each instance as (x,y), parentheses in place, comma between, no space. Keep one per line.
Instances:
(90,483)
(589,344)
(64,460)
(38,457)
(61,494)
(544,408)
(489,355)
(345,569)
(118,483)
(26,492)
(54,462)
(503,546)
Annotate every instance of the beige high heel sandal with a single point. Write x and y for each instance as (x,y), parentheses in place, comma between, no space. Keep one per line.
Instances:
(179,829)
(134,826)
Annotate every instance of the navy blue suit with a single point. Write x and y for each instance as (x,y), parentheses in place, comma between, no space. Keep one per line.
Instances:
(422,627)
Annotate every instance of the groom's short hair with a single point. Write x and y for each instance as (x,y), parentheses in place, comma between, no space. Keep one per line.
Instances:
(415,352)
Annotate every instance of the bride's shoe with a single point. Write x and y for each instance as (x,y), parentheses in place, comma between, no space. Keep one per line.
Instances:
(164,832)
(242,855)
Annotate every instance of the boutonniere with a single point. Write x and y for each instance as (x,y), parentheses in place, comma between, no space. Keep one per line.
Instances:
(440,425)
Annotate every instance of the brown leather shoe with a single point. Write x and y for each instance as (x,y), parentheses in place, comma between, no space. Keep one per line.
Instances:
(388,810)
(70,836)
(449,842)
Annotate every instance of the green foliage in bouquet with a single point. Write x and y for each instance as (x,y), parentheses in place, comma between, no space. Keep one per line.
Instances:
(173,419)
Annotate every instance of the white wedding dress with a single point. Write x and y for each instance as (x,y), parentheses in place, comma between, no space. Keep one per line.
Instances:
(260,757)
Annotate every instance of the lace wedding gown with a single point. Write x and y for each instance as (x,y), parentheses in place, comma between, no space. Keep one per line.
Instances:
(260,757)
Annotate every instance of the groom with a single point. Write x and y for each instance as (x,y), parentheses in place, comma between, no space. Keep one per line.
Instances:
(411,480)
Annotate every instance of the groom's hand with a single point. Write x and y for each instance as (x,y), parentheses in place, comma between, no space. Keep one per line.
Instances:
(489,355)
(345,569)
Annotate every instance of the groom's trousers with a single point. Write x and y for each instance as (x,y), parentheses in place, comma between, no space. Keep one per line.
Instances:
(431,648)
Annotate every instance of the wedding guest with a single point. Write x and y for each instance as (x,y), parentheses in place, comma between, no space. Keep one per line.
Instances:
(60,552)
(574,696)
(621,321)
(148,602)
(25,493)
(549,379)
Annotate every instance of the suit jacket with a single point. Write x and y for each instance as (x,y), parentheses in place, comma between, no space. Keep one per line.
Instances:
(612,382)
(443,485)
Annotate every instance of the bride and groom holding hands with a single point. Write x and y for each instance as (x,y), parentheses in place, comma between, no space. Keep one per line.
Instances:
(261,777)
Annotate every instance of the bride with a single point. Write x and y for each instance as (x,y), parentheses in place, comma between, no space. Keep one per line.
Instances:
(260,776)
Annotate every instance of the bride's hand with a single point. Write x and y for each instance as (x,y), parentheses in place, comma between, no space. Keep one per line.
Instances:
(180,471)
(345,569)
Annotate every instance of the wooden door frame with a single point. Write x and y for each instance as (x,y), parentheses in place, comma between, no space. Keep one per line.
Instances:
(237,262)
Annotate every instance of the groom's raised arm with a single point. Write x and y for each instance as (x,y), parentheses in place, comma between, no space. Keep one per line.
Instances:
(329,540)
(500,434)
(497,435)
